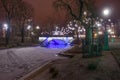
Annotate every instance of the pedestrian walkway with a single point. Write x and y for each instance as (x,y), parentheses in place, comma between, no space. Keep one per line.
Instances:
(16,62)
(107,69)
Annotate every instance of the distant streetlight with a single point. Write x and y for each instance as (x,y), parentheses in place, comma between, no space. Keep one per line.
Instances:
(85,13)
(100,32)
(37,27)
(5,26)
(32,33)
(106,12)
(29,27)
(109,30)
(98,24)
(109,20)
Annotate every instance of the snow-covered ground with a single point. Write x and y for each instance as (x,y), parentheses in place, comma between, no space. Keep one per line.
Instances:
(16,62)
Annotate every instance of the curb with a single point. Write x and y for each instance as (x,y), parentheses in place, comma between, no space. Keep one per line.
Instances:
(33,73)
(66,55)
(24,46)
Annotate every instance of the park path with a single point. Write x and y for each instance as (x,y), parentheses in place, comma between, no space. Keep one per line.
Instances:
(16,62)
(107,69)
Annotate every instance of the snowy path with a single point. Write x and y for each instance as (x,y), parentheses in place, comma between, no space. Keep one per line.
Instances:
(16,62)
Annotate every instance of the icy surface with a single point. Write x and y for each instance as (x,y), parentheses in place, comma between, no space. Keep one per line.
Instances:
(16,62)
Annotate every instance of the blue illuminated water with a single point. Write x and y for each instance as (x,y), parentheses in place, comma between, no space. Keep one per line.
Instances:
(56,43)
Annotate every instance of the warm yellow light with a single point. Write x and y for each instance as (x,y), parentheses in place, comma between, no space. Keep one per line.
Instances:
(95,35)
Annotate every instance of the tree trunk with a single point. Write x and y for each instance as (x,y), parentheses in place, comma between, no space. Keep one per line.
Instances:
(88,40)
(22,35)
(77,33)
(8,33)
(7,36)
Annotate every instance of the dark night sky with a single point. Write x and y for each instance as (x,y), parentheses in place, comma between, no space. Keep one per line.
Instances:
(44,9)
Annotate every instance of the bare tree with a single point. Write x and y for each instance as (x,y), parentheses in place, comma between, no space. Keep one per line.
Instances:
(75,9)
(9,8)
(50,25)
(24,13)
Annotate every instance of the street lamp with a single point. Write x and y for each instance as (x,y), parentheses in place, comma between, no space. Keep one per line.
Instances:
(29,27)
(5,26)
(37,27)
(106,13)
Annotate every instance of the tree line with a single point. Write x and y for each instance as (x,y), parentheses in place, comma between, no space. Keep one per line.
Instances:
(16,14)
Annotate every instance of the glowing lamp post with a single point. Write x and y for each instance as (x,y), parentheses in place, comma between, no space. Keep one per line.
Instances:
(7,32)
(29,27)
(5,26)
(106,13)
(37,27)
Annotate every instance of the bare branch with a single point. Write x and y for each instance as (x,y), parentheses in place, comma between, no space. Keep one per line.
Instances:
(60,4)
